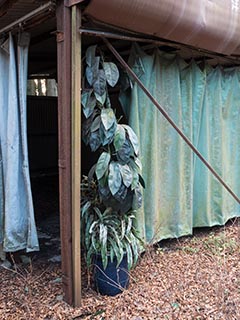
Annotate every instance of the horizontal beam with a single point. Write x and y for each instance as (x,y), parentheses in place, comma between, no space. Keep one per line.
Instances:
(135,38)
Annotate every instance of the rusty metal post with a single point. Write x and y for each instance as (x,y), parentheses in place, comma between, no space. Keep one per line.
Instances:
(76,153)
(64,133)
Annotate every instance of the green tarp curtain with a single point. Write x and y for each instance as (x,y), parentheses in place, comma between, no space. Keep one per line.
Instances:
(181,192)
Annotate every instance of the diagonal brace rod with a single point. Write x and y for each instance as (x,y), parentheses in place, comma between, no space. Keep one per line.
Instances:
(169,119)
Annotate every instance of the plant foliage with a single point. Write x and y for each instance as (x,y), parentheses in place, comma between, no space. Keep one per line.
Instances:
(115,179)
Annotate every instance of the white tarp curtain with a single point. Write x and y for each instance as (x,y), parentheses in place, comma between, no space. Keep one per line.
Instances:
(17,225)
(181,193)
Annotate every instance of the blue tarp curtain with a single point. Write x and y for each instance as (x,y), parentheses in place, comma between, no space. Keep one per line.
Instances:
(181,192)
(17,225)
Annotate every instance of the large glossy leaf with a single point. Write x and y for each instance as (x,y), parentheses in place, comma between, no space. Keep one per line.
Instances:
(119,138)
(137,198)
(89,75)
(124,154)
(111,72)
(96,124)
(89,106)
(94,140)
(102,164)
(138,163)
(107,136)
(99,84)
(84,97)
(104,191)
(121,194)
(114,177)
(127,175)
(133,138)
(90,55)
(101,99)
(92,71)
(108,118)
(135,180)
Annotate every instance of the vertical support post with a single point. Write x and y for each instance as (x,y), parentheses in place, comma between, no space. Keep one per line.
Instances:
(64,140)
(76,152)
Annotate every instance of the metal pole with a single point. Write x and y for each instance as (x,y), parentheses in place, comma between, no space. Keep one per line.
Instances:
(156,42)
(64,145)
(166,116)
(45,7)
(76,154)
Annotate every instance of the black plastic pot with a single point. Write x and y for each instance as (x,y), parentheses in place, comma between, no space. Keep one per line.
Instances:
(113,280)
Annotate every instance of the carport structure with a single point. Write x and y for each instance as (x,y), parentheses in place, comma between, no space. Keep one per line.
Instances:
(172,25)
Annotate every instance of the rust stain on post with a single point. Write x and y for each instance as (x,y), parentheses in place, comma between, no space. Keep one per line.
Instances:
(76,153)
(64,136)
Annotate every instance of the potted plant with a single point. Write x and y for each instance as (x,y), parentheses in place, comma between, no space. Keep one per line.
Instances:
(111,193)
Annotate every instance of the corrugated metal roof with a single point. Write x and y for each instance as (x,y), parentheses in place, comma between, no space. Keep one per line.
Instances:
(210,25)
(16,9)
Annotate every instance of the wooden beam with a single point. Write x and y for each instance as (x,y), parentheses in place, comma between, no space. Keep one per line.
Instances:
(76,153)
(64,142)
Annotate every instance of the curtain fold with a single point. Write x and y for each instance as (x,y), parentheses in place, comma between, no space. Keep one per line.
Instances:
(18,226)
(180,192)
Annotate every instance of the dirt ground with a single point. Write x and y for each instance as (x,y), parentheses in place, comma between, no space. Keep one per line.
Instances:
(193,278)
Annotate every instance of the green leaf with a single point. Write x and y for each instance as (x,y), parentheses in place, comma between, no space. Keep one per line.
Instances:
(92,72)
(107,136)
(125,152)
(135,249)
(138,163)
(90,252)
(85,208)
(137,199)
(121,194)
(119,246)
(91,173)
(111,72)
(92,226)
(123,228)
(127,175)
(99,84)
(103,234)
(96,124)
(108,118)
(119,138)
(116,250)
(129,226)
(94,140)
(135,179)
(98,212)
(89,75)
(129,254)
(133,138)
(90,55)
(114,177)
(84,97)
(102,164)
(111,254)
(89,106)
(101,99)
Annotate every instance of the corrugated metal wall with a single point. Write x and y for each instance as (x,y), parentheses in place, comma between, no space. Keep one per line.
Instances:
(42,134)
